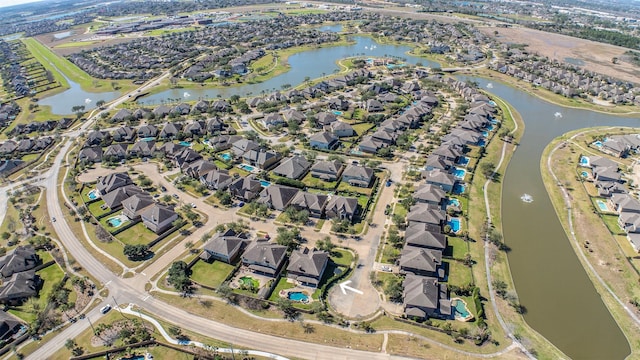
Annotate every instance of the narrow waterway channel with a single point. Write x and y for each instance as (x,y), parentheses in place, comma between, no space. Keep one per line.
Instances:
(562,303)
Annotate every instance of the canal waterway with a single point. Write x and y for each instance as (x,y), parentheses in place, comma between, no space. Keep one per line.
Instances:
(62,103)
(562,303)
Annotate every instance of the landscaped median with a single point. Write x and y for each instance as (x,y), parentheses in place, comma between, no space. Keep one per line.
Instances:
(594,234)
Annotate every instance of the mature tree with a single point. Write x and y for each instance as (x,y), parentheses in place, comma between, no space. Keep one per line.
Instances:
(136,252)
(393,288)
(487,169)
(288,237)
(325,244)
(179,276)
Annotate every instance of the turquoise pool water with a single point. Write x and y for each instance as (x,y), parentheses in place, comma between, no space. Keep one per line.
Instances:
(602,205)
(458,189)
(459,308)
(393,66)
(482,142)
(597,143)
(490,127)
(246,167)
(485,133)
(265,183)
(336,112)
(184,143)
(115,221)
(492,102)
(455,224)
(463,161)
(298,296)
(453,202)
(584,161)
(226,157)
(459,173)
(148,139)
(585,174)
(92,195)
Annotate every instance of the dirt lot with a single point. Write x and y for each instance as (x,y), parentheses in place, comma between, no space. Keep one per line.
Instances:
(596,56)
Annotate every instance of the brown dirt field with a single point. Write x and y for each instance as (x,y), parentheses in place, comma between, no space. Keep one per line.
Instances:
(596,56)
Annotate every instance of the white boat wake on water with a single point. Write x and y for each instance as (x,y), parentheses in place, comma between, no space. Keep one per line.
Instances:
(526,198)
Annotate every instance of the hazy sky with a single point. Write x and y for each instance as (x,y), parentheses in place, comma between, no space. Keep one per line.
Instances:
(4,3)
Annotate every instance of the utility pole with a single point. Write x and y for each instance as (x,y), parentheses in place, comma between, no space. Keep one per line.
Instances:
(90,324)
(118,306)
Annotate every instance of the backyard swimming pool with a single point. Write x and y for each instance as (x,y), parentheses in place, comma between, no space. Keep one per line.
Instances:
(584,161)
(459,173)
(585,174)
(298,296)
(336,112)
(115,221)
(598,143)
(226,157)
(184,143)
(485,133)
(265,183)
(602,205)
(246,167)
(453,202)
(482,143)
(148,139)
(460,310)
(92,194)
(455,224)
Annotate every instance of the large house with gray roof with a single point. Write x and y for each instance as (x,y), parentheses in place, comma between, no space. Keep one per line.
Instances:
(265,258)
(424,297)
(313,203)
(294,167)
(306,266)
(112,181)
(327,170)
(340,207)
(357,175)
(158,218)
(224,246)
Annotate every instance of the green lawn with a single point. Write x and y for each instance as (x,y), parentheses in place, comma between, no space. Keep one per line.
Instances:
(459,274)
(345,187)
(137,234)
(95,209)
(612,224)
(46,57)
(110,228)
(341,257)
(72,44)
(399,210)
(50,275)
(283,284)
(210,274)
(362,128)
(456,247)
(313,182)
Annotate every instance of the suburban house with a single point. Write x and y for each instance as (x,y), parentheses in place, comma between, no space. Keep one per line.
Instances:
(19,287)
(323,140)
(113,199)
(261,158)
(170,130)
(90,154)
(133,206)
(313,203)
(306,266)
(424,297)
(147,131)
(427,214)
(430,194)
(624,203)
(9,326)
(341,129)
(294,115)
(418,235)
(373,105)
(224,246)
(118,151)
(143,149)
(277,196)
(371,145)
(199,168)
(243,145)
(265,258)
(293,168)
(124,134)
(216,179)
(440,178)
(245,189)
(436,162)
(325,118)
(357,175)
(112,181)
(421,261)
(158,218)
(22,258)
(342,208)
(327,170)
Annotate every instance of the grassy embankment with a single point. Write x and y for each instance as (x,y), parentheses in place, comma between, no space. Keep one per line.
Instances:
(611,256)
(59,65)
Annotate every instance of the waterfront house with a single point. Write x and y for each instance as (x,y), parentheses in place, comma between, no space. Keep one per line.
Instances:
(424,297)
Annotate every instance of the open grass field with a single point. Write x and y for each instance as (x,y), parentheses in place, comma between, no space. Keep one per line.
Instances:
(58,65)
(50,275)
(137,234)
